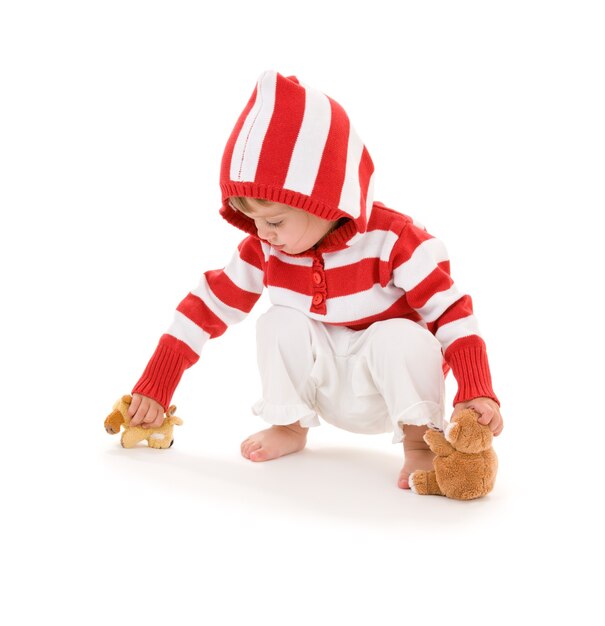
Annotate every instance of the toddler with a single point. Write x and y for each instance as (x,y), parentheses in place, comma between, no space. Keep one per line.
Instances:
(365,319)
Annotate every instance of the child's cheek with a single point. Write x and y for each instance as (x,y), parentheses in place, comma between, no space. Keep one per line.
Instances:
(300,240)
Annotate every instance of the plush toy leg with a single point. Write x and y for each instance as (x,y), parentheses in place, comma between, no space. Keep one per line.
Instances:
(161,440)
(425,483)
(132,436)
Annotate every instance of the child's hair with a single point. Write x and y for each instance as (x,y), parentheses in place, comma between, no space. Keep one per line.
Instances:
(241,203)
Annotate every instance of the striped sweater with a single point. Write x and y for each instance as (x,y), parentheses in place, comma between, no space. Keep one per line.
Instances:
(294,145)
(394,269)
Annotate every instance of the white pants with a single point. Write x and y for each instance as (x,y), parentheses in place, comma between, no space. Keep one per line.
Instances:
(367,381)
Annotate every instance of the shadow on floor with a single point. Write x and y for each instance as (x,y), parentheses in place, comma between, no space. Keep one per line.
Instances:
(356,485)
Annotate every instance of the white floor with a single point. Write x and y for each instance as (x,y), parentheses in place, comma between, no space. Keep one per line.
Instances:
(196,534)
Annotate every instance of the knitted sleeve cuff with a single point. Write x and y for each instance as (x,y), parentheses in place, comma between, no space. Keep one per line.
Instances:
(471,369)
(163,373)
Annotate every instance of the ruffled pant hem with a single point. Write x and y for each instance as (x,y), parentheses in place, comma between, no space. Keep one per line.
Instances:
(421,414)
(284,414)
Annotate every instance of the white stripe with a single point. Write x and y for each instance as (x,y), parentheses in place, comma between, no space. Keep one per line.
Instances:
(310,142)
(246,151)
(355,239)
(188,332)
(344,309)
(364,304)
(224,312)
(244,275)
(373,244)
(464,327)
(370,198)
(350,196)
(418,224)
(293,299)
(266,248)
(437,304)
(422,262)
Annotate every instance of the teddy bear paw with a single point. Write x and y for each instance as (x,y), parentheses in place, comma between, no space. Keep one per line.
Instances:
(418,481)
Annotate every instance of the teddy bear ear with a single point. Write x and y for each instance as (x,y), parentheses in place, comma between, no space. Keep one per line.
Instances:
(171,410)
(127,399)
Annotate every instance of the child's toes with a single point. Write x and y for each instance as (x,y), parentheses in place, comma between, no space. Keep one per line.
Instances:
(250,447)
(404,481)
(259,454)
(245,447)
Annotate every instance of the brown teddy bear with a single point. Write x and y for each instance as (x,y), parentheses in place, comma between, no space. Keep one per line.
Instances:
(156,437)
(465,465)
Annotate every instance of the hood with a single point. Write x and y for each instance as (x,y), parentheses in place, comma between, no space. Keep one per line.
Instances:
(294,145)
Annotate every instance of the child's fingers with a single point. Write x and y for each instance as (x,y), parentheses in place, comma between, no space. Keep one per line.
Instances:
(487,414)
(153,419)
(134,405)
(494,423)
(159,420)
(142,411)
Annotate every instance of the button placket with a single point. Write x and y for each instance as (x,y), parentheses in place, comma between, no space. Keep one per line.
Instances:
(319,289)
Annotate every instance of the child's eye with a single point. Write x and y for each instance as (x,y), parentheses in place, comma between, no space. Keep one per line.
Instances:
(274,224)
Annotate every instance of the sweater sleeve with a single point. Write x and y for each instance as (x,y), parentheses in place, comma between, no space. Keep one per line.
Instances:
(223,297)
(421,268)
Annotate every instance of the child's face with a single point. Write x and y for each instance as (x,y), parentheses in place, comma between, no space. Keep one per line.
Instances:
(286,228)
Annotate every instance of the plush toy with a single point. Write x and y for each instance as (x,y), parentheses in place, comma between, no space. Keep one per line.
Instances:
(465,465)
(156,437)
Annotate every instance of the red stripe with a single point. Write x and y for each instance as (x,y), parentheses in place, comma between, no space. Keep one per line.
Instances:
(228,153)
(196,310)
(281,135)
(458,310)
(387,219)
(438,280)
(293,277)
(251,251)
(351,279)
(410,239)
(331,174)
(229,293)
(341,281)
(366,167)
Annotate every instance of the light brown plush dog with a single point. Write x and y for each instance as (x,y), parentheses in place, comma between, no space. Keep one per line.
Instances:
(465,465)
(156,437)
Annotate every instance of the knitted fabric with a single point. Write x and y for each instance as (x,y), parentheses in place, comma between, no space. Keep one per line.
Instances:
(294,145)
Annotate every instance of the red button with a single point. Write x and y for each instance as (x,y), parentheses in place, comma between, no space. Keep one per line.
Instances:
(318,299)
(317,278)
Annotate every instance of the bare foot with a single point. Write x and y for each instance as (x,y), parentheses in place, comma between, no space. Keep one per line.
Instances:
(418,455)
(274,442)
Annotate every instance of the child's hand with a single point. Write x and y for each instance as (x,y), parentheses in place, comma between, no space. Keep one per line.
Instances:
(145,411)
(488,410)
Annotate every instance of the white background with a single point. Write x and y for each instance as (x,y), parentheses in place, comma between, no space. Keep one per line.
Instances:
(485,123)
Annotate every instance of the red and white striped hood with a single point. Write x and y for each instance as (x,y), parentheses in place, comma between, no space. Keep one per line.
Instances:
(294,145)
